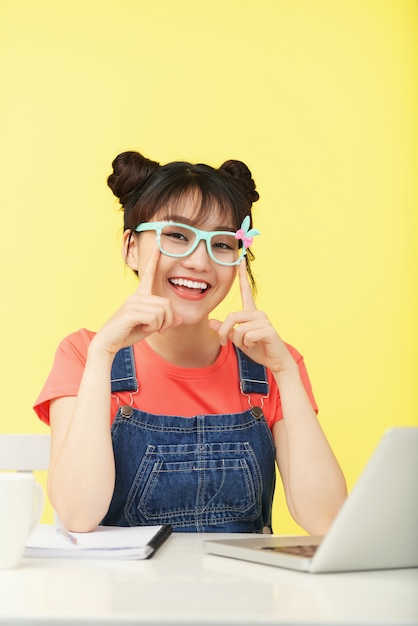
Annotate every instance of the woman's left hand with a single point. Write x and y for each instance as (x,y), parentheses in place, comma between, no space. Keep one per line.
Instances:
(252,332)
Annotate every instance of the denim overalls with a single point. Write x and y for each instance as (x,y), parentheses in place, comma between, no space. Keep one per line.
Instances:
(208,473)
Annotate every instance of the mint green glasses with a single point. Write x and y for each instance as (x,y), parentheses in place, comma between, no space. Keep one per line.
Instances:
(179,240)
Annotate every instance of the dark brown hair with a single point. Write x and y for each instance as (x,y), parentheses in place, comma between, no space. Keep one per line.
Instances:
(145,188)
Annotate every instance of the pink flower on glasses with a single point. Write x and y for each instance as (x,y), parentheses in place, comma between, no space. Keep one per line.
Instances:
(246,235)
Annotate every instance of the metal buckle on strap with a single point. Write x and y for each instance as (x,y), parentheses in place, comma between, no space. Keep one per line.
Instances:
(126,410)
(256,411)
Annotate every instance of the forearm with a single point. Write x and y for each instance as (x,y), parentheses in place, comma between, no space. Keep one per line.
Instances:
(82,471)
(314,483)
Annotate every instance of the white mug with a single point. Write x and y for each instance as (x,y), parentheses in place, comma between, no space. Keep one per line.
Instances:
(21,507)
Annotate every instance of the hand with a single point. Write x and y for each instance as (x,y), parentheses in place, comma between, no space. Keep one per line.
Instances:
(141,315)
(251,331)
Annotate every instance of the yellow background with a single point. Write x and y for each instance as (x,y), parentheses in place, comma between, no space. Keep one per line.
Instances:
(318,97)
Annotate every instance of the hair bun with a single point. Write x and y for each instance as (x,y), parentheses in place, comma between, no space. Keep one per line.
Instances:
(130,170)
(242,176)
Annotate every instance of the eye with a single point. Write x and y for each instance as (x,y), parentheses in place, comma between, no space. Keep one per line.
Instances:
(224,243)
(176,234)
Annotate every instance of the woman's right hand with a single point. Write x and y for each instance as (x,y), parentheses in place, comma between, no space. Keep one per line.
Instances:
(142,314)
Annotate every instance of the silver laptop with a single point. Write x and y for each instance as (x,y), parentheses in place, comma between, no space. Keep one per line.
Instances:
(376,528)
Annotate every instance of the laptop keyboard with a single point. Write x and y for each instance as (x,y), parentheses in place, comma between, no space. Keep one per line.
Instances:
(306,551)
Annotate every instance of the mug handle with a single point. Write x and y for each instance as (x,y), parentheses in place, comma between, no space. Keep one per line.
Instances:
(39,500)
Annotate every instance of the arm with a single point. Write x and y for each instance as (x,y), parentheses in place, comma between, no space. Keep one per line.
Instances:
(81,476)
(313,481)
(82,470)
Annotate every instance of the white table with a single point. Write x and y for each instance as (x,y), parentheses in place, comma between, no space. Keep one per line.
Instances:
(181,586)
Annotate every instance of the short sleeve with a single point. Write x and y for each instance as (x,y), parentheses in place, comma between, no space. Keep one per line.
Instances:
(66,373)
(276,413)
(303,372)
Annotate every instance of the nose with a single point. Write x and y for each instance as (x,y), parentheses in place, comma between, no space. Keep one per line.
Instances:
(199,259)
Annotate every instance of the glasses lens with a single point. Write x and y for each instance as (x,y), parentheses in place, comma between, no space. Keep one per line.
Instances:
(178,240)
(225,248)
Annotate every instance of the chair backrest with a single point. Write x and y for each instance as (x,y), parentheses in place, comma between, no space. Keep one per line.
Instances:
(24,453)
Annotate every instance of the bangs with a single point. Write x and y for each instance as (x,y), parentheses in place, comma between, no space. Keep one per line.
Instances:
(205,205)
(178,184)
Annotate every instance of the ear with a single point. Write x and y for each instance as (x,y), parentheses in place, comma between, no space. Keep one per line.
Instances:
(130,249)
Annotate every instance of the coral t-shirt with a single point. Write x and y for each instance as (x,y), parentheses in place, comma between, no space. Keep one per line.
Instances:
(164,388)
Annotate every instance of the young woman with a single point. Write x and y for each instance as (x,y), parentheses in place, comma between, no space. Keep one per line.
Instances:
(165,415)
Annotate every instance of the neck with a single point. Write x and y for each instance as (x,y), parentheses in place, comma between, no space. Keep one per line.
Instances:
(187,346)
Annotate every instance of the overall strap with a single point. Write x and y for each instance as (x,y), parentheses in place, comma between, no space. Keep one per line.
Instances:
(253,377)
(123,376)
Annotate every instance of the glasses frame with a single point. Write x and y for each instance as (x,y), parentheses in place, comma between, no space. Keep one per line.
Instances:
(201,235)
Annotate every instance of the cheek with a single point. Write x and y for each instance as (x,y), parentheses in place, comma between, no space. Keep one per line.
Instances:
(228,277)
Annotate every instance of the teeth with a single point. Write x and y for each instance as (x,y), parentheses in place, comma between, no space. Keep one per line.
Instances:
(192,284)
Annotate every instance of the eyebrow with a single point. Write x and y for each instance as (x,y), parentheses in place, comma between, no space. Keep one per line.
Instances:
(171,217)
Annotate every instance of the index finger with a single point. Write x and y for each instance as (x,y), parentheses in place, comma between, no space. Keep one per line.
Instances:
(248,303)
(147,279)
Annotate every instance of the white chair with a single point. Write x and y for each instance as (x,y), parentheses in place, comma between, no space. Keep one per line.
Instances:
(24,453)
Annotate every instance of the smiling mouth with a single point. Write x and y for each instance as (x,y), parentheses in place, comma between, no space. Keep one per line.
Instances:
(195,285)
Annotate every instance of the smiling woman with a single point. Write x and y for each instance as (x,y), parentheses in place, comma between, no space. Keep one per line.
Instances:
(199,409)
(162,192)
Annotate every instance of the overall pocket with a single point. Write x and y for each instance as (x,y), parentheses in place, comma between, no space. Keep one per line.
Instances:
(195,485)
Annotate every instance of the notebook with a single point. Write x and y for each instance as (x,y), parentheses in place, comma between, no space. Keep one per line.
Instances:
(106,542)
(376,528)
